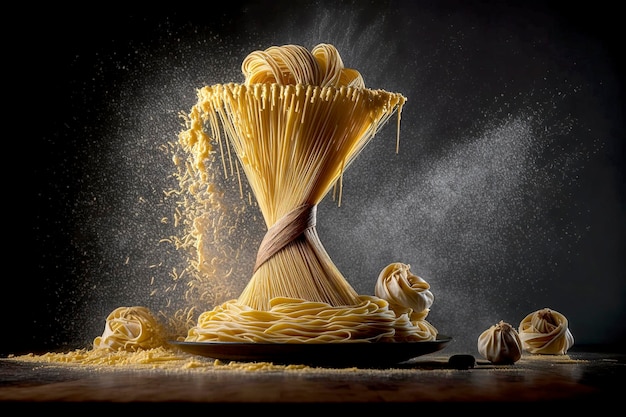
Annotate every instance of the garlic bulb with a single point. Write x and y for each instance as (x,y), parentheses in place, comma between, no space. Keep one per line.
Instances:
(546,331)
(404,291)
(130,329)
(500,344)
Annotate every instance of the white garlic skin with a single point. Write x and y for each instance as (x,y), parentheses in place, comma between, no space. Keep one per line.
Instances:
(500,344)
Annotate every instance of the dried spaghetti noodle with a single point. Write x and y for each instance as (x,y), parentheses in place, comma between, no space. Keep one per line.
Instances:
(295,125)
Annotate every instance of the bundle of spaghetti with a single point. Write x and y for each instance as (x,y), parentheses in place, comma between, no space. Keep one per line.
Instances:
(294,141)
(295,125)
(298,321)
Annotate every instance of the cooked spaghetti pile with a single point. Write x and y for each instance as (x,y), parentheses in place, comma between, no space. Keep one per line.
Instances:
(295,125)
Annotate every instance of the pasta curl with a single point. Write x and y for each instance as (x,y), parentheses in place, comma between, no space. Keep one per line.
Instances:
(294,64)
(545,331)
(130,329)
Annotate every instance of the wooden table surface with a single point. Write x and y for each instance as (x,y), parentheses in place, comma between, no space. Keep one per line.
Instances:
(428,381)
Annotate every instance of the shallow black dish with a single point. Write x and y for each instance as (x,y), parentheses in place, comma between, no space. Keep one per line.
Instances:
(320,354)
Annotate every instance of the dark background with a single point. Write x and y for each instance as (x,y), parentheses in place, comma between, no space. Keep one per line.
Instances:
(507,194)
